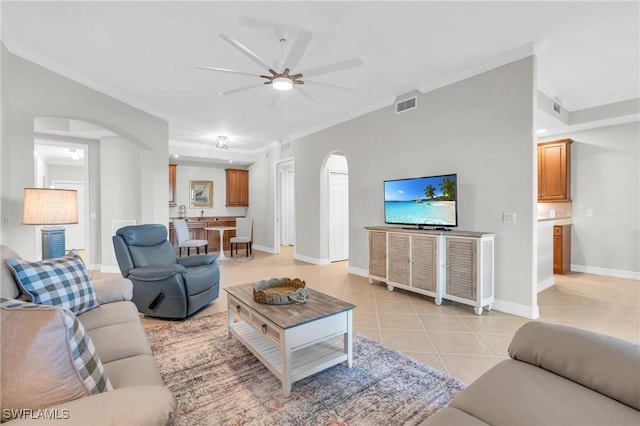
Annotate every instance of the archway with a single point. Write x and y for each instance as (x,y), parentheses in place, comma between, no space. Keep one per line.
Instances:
(108,175)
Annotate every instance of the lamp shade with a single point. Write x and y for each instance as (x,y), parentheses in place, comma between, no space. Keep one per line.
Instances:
(43,206)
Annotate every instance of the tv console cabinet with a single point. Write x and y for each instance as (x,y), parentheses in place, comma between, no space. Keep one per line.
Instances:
(452,265)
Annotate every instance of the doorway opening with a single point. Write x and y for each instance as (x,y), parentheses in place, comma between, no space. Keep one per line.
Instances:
(285,217)
(64,149)
(64,165)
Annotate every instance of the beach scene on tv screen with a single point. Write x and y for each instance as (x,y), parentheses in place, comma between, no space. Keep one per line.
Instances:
(428,201)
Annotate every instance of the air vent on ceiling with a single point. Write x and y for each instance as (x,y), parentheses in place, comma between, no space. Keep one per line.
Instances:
(407,104)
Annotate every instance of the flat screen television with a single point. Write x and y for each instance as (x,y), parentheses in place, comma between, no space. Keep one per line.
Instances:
(422,201)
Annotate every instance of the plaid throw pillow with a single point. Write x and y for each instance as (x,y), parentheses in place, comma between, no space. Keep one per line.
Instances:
(46,339)
(62,281)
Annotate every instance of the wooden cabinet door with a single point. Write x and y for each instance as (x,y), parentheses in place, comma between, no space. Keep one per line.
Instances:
(378,254)
(237,187)
(424,269)
(557,254)
(461,267)
(172,185)
(561,249)
(554,171)
(399,270)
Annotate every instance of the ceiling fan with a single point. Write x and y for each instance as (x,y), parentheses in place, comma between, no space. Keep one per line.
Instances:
(285,79)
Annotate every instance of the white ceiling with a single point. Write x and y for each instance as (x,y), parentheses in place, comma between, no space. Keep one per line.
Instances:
(146,53)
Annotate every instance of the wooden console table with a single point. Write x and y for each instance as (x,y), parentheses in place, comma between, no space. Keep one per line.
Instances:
(453,265)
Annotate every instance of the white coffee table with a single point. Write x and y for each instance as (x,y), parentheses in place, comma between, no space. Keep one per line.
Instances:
(292,341)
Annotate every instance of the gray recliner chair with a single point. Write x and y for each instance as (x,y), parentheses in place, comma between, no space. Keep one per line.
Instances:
(164,285)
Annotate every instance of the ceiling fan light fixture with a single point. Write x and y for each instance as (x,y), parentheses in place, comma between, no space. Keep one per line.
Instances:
(282,83)
(222,142)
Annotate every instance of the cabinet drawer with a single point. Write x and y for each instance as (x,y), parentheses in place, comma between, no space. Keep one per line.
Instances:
(267,328)
(557,230)
(240,308)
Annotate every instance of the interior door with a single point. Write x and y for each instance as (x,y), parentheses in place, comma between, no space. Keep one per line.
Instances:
(287,208)
(338,216)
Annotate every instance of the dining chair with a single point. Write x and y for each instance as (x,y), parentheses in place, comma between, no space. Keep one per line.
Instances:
(182,232)
(244,234)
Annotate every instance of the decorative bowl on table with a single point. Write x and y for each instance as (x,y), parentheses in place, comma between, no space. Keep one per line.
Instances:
(280,291)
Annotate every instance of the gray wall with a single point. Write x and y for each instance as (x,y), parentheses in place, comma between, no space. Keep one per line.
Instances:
(30,91)
(605,178)
(481,128)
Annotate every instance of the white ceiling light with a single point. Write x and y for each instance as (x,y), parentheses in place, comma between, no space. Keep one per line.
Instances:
(222,142)
(282,83)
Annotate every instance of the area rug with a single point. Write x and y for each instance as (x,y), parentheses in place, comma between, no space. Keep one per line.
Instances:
(217,381)
(236,259)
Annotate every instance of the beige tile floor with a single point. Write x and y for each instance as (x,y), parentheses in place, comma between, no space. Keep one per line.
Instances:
(450,338)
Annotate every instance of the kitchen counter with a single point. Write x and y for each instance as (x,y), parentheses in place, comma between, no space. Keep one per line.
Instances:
(556,221)
(207,218)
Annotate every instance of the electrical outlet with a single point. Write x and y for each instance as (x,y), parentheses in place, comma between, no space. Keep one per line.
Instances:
(509,217)
(552,213)
(589,212)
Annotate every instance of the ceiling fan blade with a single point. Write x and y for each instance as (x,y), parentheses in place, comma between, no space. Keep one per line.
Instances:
(274,98)
(306,95)
(336,66)
(229,71)
(253,86)
(241,47)
(333,86)
(297,50)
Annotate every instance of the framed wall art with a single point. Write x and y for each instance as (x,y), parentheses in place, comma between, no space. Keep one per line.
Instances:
(201,193)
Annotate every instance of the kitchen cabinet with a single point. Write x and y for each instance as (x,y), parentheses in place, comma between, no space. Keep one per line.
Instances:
(237,188)
(561,249)
(172,185)
(554,171)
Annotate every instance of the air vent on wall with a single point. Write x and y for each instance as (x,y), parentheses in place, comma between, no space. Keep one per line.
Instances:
(285,146)
(407,104)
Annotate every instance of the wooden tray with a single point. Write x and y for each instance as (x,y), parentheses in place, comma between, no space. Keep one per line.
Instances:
(280,291)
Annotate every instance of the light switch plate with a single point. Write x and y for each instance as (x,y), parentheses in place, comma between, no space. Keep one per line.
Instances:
(509,217)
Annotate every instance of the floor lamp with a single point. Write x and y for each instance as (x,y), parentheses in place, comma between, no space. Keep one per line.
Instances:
(43,206)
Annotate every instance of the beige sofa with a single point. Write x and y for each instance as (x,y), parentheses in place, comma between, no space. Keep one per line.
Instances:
(139,396)
(557,375)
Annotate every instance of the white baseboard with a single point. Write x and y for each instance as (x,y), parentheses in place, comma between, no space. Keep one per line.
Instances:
(269,250)
(110,269)
(616,273)
(312,260)
(543,285)
(358,271)
(531,312)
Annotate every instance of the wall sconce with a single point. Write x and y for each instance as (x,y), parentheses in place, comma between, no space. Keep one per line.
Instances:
(43,206)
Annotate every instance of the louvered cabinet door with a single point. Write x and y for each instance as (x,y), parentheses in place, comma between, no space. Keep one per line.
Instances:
(424,270)
(399,258)
(461,267)
(378,254)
